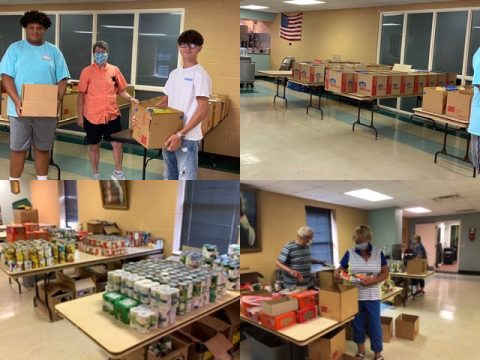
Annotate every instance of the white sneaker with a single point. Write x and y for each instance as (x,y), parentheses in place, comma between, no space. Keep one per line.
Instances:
(120,176)
(96,176)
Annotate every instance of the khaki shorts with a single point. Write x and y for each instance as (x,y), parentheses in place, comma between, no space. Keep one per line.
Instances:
(25,131)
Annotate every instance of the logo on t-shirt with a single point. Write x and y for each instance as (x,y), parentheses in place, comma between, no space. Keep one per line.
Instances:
(188,79)
(46,58)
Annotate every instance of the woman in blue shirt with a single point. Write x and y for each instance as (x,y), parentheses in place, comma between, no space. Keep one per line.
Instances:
(474,126)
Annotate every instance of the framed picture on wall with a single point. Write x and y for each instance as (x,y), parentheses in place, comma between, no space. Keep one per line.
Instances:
(114,194)
(249,221)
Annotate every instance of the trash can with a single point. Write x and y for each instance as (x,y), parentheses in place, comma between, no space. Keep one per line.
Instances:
(264,345)
(448,256)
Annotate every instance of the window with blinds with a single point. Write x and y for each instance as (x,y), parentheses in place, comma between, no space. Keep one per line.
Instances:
(71,209)
(320,220)
(211,213)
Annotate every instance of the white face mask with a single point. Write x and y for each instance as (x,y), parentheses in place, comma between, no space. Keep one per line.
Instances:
(361,246)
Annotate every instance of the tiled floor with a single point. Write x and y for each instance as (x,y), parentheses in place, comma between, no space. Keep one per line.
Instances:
(26,333)
(74,164)
(286,143)
(449,322)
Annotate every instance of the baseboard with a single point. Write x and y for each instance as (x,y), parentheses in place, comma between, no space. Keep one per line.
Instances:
(465,272)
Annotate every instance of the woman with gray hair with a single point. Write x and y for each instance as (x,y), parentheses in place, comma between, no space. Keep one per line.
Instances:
(295,260)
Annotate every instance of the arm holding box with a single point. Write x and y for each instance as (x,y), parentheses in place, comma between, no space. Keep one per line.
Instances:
(11,90)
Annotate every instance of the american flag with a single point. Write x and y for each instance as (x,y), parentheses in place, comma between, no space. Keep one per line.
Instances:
(291,27)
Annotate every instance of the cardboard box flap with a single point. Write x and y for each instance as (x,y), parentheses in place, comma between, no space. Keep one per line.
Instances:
(215,323)
(111,229)
(402,67)
(219,346)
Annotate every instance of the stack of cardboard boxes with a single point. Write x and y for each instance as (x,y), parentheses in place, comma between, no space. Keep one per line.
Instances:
(309,73)
(454,103)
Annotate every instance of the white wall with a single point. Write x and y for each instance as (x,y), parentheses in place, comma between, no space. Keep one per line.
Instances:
(7,198)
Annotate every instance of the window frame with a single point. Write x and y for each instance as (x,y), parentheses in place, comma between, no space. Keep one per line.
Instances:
(136,21)
(463,76)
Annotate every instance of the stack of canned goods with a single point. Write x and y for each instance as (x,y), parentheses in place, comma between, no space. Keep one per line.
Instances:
(26,255)
(138,238)
(234,251)
(103,245)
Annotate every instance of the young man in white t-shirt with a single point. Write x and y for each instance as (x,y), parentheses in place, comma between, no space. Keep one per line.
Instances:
(188,89)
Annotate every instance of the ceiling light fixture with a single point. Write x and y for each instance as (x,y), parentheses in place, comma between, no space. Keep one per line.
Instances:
(367,194)
(253,7)
(304,2)
(391,24)
(418,210)
(117,27)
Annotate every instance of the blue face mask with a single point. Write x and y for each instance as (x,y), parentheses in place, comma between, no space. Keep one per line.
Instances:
(361,246)
(100,58)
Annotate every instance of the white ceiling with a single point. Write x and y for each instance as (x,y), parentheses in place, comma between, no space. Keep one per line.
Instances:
(405,193)
(276,6)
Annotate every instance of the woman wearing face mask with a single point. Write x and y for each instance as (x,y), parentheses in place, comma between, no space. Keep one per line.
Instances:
(98,112)
(296,260)
(368,260)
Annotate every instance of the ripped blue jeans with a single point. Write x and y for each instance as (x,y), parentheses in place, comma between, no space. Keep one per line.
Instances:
(181,164)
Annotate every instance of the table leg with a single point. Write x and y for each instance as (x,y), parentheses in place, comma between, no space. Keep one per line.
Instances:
(52,163)
(35,297)
(144,164)
(45,282)
(444,146)
(358,122)
(145,352)
(319,107)
(284,91)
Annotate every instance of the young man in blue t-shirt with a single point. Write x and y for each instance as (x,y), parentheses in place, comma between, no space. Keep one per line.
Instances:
(32,61)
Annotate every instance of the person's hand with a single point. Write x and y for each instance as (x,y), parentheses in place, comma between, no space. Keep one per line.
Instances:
(18,107)
(173,142)
(80,121)
(134,101)
(297,275)
(337,273)
(59,108)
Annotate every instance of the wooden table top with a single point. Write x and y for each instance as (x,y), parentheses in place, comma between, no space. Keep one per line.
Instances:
(444,119)
(389,296)
(275,73)
(118,339)
(410,276)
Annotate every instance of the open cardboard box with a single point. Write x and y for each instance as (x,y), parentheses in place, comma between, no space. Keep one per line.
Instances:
(208,343)
(25,216)
(80,286)
(387,328)
(329,347)
(407,326)
(338,302)
(434,100)
(231,315)
(57,293)
(279,306)
(416,266)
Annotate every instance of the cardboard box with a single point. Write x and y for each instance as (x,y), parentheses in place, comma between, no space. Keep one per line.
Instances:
(80,286)
(4,107)
(15,232)
(179,351)
(297,70)
(152,130)
(338,302)
(387,328)
(217,324)
(39,100)
(31,226)
(459,104)
(371,84)
(451,78)
(95,226)
(209,344)
(407,326)
(434,100)
(339,81)
(432,80)
(217,109)
(231,315)
(420,82)
(416,266)
(279,306)
(442,79)
(69,106)
(313,74)
(306,313)
(394,84)
(408,84)
(326,278)
(278,322)
(25,216)
(57,294)
(329,347)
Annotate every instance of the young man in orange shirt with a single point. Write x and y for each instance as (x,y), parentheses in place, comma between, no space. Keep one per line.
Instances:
(98,112)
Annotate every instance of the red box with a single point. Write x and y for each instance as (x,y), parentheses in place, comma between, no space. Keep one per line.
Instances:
(278,322)
(306,314)
(306,299)
(30,227)
(41,234)
(30,235)
(15,232)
